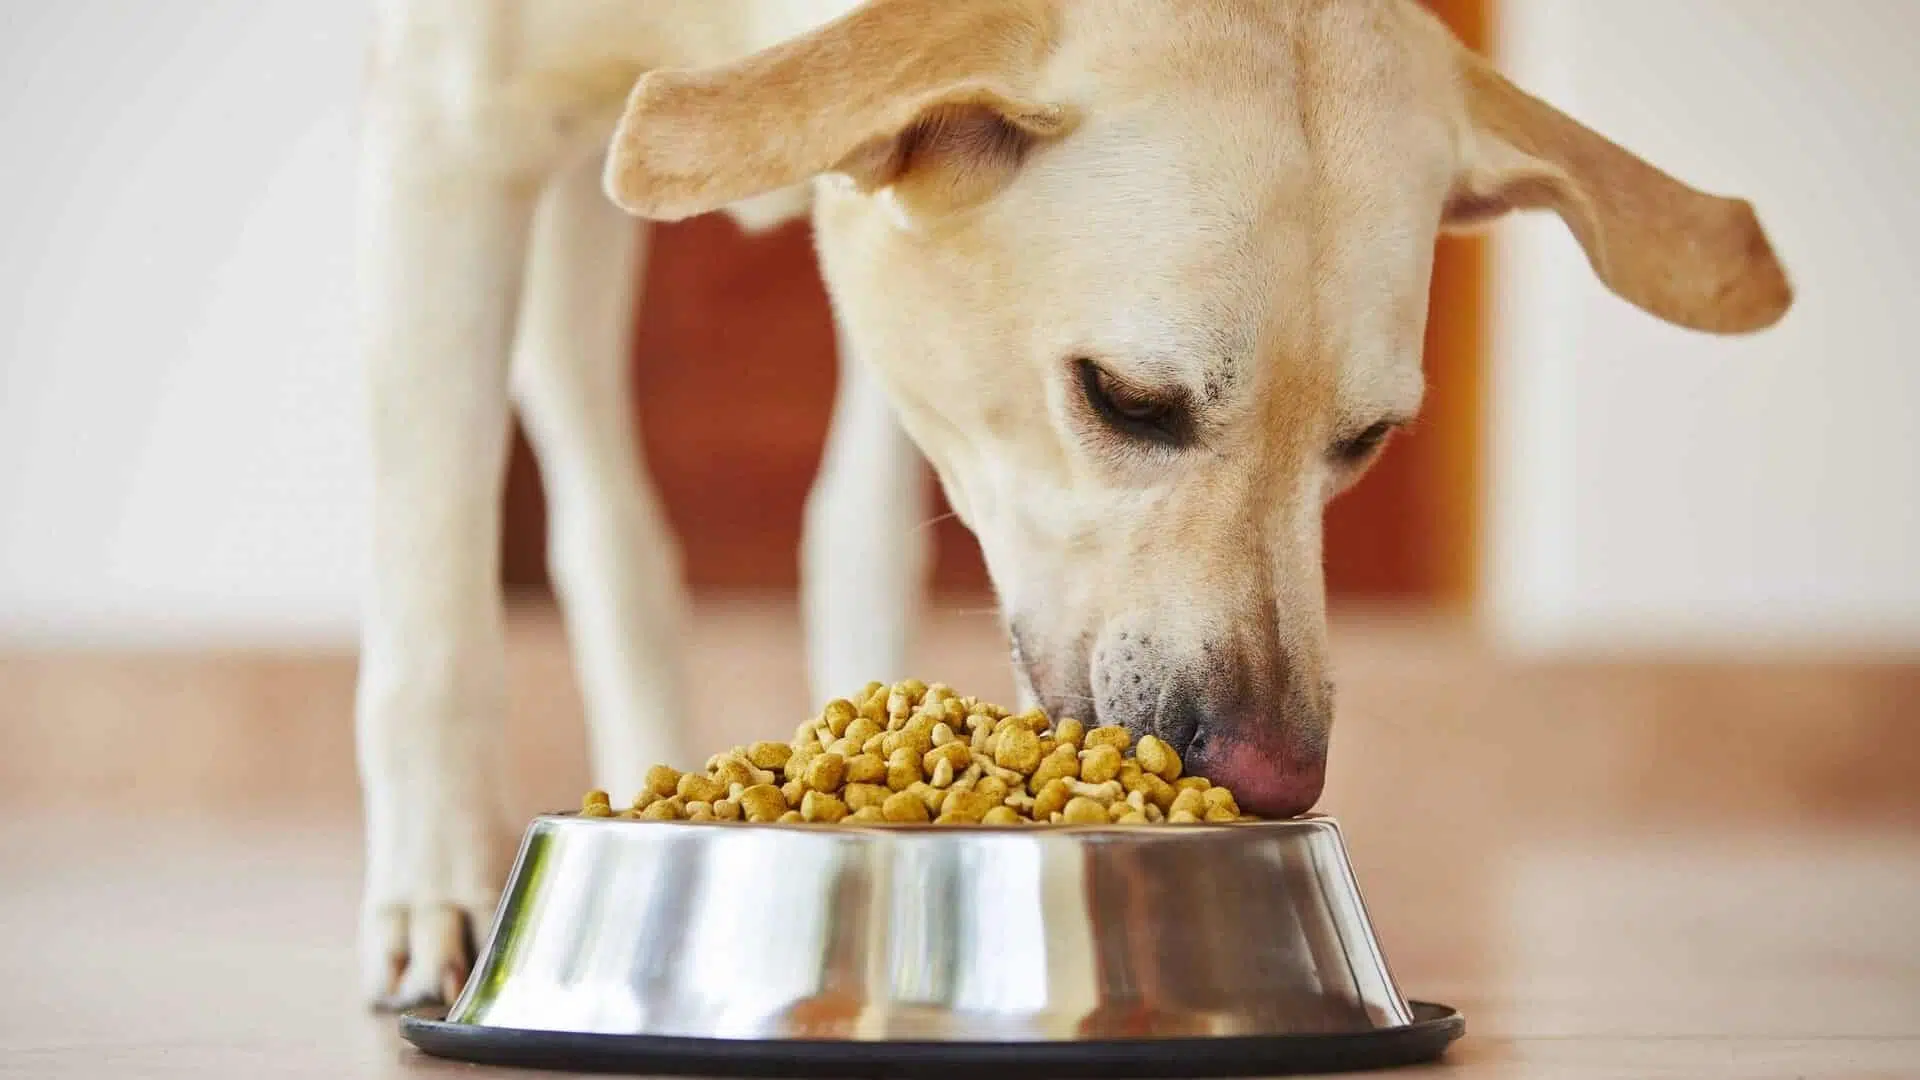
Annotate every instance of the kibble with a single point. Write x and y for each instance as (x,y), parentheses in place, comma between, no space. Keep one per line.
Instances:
(1018,749)
(819,806)
(1187,802)
(1051,799)
(1155,756)
(930,797)
(769,755)
(954,753)
(860,796)
(825,773)
(662,780)
(903,768)
(1081,810)
(838,716)
(763,802)
(904,808)
(696,788)
(1102,763)
(898,704)
(1157,791)
(1220,805)
(734,770)
(942,773)
(967,805)
(1003,815)
(1059,765)
(907,753)
(1105,793)
(866,769)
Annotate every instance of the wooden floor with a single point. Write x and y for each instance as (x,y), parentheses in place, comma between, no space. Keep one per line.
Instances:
(1613,869)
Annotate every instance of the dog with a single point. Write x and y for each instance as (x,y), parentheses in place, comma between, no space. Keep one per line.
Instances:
(1144,282)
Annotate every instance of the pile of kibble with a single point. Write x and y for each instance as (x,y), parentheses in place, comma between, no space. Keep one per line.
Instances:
(910,753)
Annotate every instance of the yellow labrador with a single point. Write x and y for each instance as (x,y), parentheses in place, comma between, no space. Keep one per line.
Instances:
(1145,281)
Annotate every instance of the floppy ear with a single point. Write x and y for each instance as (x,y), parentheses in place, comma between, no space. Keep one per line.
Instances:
(1693,259)
(894,87)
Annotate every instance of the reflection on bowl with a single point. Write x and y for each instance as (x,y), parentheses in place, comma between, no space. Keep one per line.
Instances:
(946,935)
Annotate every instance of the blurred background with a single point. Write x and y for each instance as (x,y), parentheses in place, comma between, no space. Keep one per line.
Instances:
(180,448)
(1630,625)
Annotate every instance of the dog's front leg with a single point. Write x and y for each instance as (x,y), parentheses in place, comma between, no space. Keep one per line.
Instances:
(442,248)
(865,545)
(614,559)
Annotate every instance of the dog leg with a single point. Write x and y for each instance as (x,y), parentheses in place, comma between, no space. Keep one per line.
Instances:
(442,250)
(613,558)
(865,547)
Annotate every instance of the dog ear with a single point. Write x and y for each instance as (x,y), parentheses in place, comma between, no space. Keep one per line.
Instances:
(1693,259)
(896,89)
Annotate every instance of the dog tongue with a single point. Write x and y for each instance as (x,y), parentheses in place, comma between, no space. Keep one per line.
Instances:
(1266,782)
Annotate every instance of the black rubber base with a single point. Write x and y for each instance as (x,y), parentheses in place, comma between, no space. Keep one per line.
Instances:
(1433,1029)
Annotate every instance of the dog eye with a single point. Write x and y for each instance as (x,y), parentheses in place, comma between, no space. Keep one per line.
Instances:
(1134,412)
(1354,450)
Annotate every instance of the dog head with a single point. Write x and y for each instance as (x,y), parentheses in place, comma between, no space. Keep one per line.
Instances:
(1147,283)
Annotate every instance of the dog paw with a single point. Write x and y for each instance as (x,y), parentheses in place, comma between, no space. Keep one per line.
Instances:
(419,956)
(428,905)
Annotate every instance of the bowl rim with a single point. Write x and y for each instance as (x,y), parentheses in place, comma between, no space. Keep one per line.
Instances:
(1313,820)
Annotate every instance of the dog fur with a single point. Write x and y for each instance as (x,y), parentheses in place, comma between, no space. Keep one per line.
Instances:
(1145,282)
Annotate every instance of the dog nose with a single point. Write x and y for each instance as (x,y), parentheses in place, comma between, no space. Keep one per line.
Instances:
(1275,762)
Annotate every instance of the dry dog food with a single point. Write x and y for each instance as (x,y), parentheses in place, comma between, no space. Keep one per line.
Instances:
(910,753)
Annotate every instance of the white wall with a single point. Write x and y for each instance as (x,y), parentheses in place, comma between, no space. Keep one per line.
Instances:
(1654,487)
(179,449)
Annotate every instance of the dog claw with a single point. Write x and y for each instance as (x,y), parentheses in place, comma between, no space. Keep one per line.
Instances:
(419,956)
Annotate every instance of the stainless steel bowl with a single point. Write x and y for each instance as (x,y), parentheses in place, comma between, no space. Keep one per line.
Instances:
(697,935)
